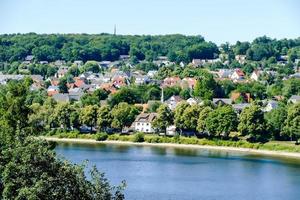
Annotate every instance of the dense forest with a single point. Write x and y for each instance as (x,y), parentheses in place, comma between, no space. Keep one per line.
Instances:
(99,47)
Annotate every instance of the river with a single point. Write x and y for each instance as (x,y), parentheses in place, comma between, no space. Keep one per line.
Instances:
(185,174)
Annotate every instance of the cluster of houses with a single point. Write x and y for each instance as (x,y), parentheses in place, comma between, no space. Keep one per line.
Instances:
(114,79)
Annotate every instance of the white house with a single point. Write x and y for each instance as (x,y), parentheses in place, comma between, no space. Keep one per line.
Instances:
(139,80)
(238,74)
(173,101)
(270,105)
(255,75)
(294,99)
(193,101)
(143,122)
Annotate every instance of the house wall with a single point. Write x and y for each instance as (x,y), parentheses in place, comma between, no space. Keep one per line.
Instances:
(145,127)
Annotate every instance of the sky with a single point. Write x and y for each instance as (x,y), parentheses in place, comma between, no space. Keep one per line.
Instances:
(219,21)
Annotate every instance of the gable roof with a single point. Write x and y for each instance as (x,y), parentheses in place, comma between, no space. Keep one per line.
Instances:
(146,117)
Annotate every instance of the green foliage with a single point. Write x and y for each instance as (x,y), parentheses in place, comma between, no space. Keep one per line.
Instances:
(101,136)
(90,66)
(94,98)
(292,122)
(205,86)
(88,116)
(221,121)
(139,137)
(201,123)
(252,123)
(123,114)
(164,118)
(104,117)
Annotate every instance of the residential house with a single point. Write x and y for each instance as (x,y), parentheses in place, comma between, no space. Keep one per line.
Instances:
(152,73)
(237,75)
(61,97)
(29,58)
(225,73)
(104,64)
(78,63)
(237,96)
(240,58)
(52,90)
(119,81)
(239,107)
(171,81)
(222,101)
(62,71)
(269,105)
(44,62)
(194,101)
(294,99)
(144,122)
(75,96)
(188,82)
(255,75)
(171,130)
(141,79)
(124,57)
(173,101)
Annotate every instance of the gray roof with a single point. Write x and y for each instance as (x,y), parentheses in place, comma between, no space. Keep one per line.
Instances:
(222,100)
(295,98)
(61,97)
(75,95)
(146,117)
(240,106)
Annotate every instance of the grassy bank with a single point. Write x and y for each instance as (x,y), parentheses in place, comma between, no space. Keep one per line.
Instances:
(139,137)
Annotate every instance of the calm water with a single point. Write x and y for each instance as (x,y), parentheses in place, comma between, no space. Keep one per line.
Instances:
(180,174)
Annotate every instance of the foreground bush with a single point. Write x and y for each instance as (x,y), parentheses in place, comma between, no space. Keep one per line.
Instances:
(101,136)
(138,137)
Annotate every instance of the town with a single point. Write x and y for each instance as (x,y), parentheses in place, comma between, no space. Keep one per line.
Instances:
(154,95)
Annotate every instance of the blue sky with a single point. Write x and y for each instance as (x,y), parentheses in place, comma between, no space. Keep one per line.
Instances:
(217,20)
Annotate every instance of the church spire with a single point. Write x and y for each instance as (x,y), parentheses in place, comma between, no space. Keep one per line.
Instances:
(162,95)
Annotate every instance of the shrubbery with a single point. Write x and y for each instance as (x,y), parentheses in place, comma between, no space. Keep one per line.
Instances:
(101,136)
(138,137)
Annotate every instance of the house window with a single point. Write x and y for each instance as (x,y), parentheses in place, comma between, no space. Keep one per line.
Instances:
(138,123)
(147,124)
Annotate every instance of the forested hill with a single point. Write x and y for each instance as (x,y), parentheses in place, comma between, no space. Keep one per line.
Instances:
(99,47)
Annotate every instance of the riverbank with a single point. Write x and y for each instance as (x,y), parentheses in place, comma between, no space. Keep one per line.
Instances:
(176,145)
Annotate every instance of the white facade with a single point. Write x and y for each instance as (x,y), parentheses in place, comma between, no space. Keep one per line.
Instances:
(145,127)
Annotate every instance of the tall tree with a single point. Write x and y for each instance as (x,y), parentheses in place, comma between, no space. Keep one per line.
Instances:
(252,123)
(221,121)
(88,116)
(164,118)
(292,122)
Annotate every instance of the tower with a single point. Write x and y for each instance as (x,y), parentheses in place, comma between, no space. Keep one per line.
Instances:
(162,95)
(115,30)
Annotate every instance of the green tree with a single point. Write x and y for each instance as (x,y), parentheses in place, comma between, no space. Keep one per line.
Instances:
(104,117)
(164,118)
(123,115)
(201,123)
(275,120)
(252,123)
(63,85)
(178,115)
(205,87)
(31,170)
(221,121)
(292,122)
(191,116)
(90,66)
(62,115)
(88,116)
